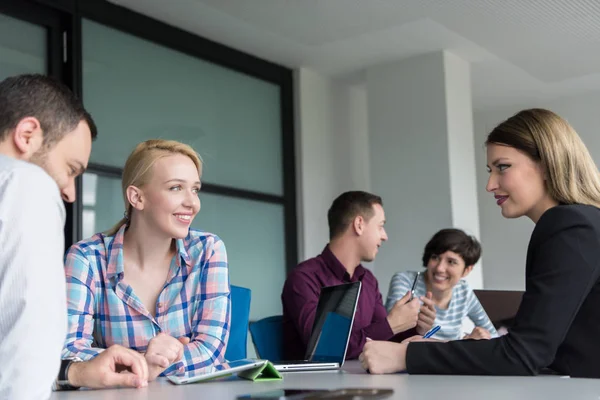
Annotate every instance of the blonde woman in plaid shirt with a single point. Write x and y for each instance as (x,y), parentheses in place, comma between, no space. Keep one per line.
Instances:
(151,283)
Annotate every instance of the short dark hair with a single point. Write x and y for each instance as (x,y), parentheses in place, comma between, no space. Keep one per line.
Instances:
(453,240)
(52,103)
(348,206)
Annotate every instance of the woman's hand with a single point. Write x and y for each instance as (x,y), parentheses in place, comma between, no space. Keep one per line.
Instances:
(381,357)
(163,350)
(418,338)
(478,334)
(426,314)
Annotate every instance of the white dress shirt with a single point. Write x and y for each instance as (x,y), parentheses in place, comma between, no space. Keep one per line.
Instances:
(32,282)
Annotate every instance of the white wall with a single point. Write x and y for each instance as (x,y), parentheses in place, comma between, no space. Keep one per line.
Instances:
(314,161)
(505,241)
(461,153)
(331,152)
(409,158)
(336,152)
(351,138)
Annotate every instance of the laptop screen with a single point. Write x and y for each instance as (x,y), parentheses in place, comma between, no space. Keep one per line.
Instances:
(333,323)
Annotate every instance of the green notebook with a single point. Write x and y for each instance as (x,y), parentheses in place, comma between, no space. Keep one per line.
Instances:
(262,373)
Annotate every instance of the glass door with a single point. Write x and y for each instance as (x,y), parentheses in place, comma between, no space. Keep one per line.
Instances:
(31,40)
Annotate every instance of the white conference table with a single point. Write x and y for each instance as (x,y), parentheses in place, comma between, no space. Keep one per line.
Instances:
(434,387)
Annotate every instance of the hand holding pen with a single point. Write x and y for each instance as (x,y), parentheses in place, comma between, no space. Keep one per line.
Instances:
(414,285)
(427,314)
(427,311)
(426,337)
(404,315)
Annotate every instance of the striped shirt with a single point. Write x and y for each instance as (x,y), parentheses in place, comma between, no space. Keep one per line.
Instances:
(104,310)
(33,316)
(463,304)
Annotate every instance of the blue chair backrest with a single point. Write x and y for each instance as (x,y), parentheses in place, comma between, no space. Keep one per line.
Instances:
(267,335)
(240,316)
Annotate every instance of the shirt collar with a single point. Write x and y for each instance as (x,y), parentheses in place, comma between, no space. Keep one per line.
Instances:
(114,246)
(338,269)
(182,252)
(114,249)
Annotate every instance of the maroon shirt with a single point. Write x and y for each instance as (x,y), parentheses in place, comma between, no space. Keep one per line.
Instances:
(301,294)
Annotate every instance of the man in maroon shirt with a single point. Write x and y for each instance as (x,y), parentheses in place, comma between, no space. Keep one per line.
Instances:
(356,231)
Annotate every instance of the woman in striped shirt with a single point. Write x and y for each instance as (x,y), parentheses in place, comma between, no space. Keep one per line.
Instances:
(448,258)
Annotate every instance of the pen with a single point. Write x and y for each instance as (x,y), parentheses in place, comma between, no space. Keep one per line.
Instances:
(431,332)
(412,291)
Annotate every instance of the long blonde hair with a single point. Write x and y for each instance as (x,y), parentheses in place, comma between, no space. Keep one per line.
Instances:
(572,175)
(138,168)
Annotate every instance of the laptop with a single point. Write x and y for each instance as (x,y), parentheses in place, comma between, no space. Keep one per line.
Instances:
(331,330)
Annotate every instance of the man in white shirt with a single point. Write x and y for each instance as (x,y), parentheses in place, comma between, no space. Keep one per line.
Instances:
(45,143)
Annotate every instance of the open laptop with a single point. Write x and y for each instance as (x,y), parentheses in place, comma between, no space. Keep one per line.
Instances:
(330,332)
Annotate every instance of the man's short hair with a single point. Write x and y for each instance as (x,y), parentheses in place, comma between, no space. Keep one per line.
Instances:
(348,206)
(57,109)
(454,240)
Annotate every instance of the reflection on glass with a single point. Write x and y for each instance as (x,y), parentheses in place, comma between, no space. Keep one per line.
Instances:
(254,235)
(102,203)
(231,119)
(331,343)
(22,47)
(90,185)
(333,321)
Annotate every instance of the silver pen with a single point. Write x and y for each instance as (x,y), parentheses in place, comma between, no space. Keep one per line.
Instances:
(412,291)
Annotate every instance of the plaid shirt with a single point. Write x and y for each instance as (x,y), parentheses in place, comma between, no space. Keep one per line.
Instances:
(195,301)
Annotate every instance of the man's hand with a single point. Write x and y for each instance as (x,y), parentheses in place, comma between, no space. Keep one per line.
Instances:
(115,366)
(379,357)
(163,350)
(404,315)
(427,314)
(478,334)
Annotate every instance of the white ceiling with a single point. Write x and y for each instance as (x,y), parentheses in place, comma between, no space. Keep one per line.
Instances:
(521,50)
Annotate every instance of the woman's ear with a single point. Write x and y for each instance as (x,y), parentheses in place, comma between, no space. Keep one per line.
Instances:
(135,196)
(467,271)
(543,170)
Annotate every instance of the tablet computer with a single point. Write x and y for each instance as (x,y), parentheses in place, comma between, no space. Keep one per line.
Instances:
(283,394)
(312,394)
(227,368)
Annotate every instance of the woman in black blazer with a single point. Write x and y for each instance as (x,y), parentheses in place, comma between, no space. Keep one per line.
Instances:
(539,168)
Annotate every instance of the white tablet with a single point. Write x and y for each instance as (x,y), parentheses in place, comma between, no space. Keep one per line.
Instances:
(220,370)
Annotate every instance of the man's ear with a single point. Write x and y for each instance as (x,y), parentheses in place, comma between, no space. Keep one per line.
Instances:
(467,271)
(358,225)
(135,196)
(28,137)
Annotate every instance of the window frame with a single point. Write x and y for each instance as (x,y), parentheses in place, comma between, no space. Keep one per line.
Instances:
(64,18)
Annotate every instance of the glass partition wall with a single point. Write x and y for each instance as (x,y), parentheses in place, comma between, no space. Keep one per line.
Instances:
(142,79)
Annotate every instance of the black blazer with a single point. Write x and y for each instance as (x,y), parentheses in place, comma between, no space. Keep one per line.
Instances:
(557,325)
